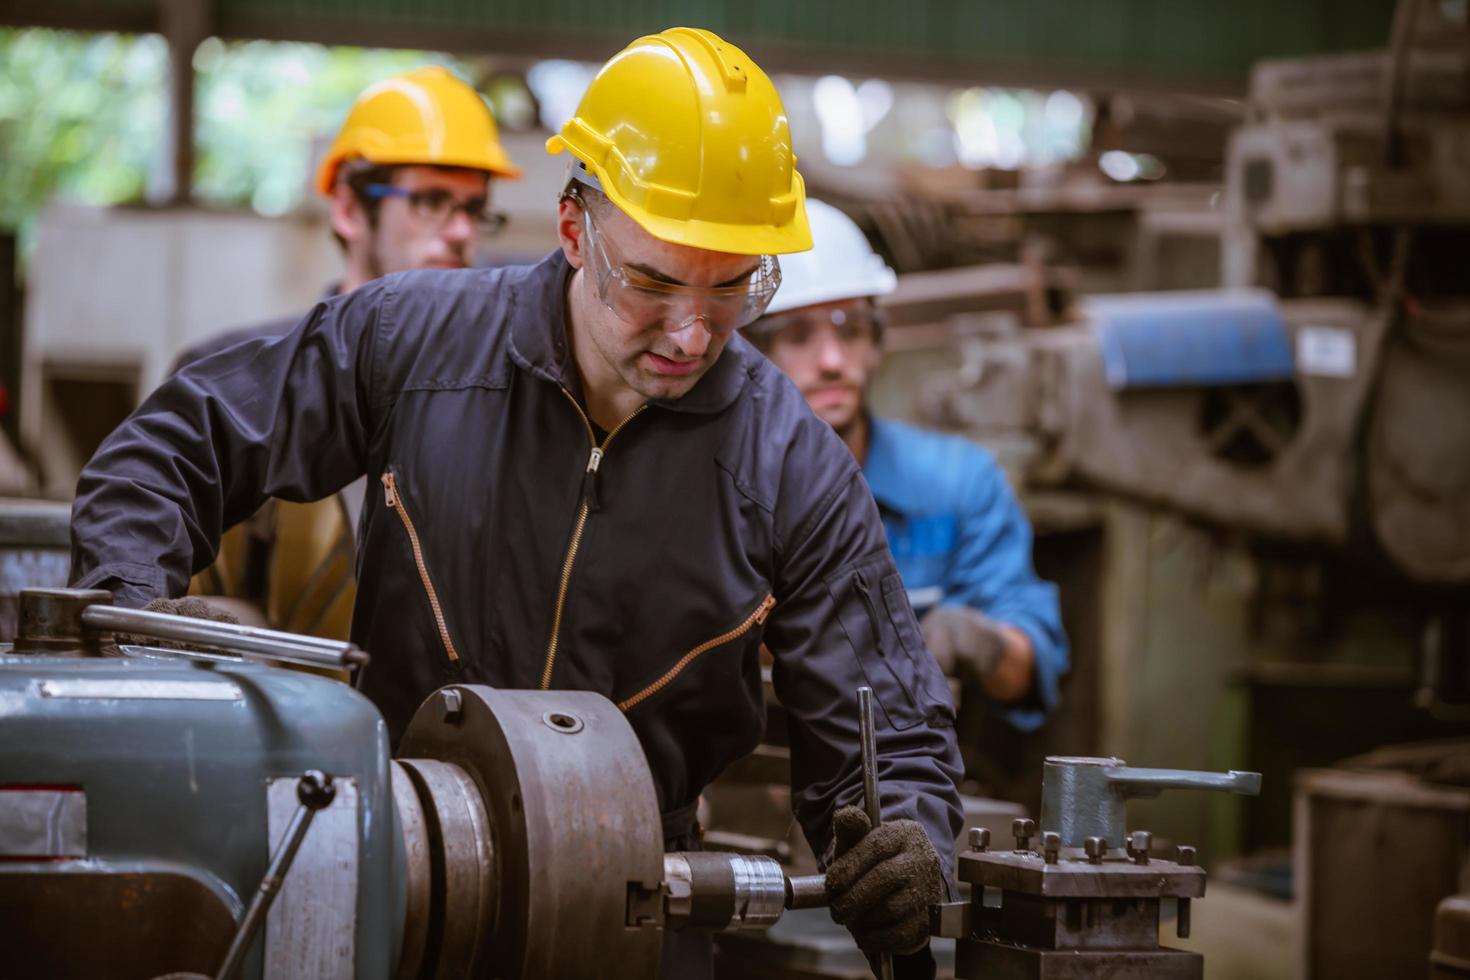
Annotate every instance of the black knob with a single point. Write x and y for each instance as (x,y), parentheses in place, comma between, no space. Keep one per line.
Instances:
(315,789)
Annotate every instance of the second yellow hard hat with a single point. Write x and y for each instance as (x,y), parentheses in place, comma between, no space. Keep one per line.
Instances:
(424,116)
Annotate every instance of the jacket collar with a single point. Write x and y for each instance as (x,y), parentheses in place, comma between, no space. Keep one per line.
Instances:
(538,342)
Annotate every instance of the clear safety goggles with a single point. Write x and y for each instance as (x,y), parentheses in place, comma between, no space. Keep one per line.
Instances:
(646,302)
(851,327)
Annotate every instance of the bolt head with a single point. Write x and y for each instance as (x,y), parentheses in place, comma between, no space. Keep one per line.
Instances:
(1186,854)
(1095,848)
(1051,845)
(452,703)
(979,838)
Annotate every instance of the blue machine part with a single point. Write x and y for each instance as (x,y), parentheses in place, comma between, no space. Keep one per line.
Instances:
(160,775)
(1191,339)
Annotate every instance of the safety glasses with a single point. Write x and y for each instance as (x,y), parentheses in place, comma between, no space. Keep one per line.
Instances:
(646,302)
(437,206)
(851,327)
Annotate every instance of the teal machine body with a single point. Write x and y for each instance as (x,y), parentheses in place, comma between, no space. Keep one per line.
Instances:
(144,797)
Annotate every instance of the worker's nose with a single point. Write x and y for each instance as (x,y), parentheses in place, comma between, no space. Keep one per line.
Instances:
(693,336)
(831,355)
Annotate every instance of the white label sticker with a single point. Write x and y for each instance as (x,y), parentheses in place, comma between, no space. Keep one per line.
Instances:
(1329,351)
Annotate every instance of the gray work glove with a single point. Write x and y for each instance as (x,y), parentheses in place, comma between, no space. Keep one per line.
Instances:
(882,882)
(189,605)
(965,642)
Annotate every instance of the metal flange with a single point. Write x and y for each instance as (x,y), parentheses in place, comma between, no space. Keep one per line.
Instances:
(576,827)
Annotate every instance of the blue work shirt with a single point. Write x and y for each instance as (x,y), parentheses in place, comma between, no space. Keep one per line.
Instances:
(958,536)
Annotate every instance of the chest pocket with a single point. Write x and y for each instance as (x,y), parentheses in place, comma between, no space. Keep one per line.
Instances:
(873,609)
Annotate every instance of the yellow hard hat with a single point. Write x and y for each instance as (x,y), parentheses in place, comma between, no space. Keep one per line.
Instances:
(688,137)
(425,116)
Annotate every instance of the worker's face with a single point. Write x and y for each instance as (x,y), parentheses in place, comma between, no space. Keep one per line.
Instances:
(662,359)
(427,231)
(830,351)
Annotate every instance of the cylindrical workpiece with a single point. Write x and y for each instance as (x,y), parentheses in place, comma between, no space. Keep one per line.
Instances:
(717,890)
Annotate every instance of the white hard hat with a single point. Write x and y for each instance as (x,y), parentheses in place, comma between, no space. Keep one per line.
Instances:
(840,265)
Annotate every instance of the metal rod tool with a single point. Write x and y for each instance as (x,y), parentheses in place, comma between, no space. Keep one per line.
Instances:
(249,641)
(872,800)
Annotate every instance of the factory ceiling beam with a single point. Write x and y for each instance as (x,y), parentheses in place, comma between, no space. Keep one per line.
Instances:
(1186,46)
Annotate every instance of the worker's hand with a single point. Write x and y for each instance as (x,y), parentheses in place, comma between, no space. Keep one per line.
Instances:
(189,605)
(965,642)
(882,882)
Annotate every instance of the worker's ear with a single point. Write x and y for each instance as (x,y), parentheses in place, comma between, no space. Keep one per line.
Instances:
(349,218)
(569,230)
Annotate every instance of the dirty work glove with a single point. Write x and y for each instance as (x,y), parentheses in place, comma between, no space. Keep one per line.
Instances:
(882,882)
(189,605)
(965,642)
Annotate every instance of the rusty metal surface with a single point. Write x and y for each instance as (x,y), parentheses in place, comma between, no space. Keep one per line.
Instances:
(417,873)
(122,925)
(1074,876)
(997,961)
(576,825)
(463,890)
(311,927)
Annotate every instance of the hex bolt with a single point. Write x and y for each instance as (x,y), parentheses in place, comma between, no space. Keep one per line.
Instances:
(1096,849)
(979,839)
(453,705)
(1051,845)
(1138,844)
(1185,855)
(1023,829)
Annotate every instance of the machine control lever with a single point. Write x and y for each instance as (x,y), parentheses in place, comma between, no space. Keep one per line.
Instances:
(315,792)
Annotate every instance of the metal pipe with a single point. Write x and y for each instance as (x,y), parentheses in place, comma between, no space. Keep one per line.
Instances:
(872,799)
(806,892)
(243,640)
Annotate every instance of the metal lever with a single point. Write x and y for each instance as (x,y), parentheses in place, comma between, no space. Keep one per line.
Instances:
(250,641)
(315,791)
(1084,797)
(872,799)
(1139,783)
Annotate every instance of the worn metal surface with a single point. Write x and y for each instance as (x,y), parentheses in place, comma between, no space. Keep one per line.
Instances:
(1084,797)
(35,552)
(67,920)
(1074,876)
(576,826)
(1276,458)
(50,620)
(43,822)
(1409,837)
(462,876)
(997,961)
(177,788)
(311,927)
(249,641)
(717,891)
(417,873)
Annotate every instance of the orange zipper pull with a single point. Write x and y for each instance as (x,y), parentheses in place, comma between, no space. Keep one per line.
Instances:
(390,493)
(765,610)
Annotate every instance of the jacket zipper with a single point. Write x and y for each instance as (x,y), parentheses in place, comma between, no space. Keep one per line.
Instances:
(590,501)
(395,503)
(754,619)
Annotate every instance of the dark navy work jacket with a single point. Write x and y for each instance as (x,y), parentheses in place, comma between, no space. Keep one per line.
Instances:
(502,546)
